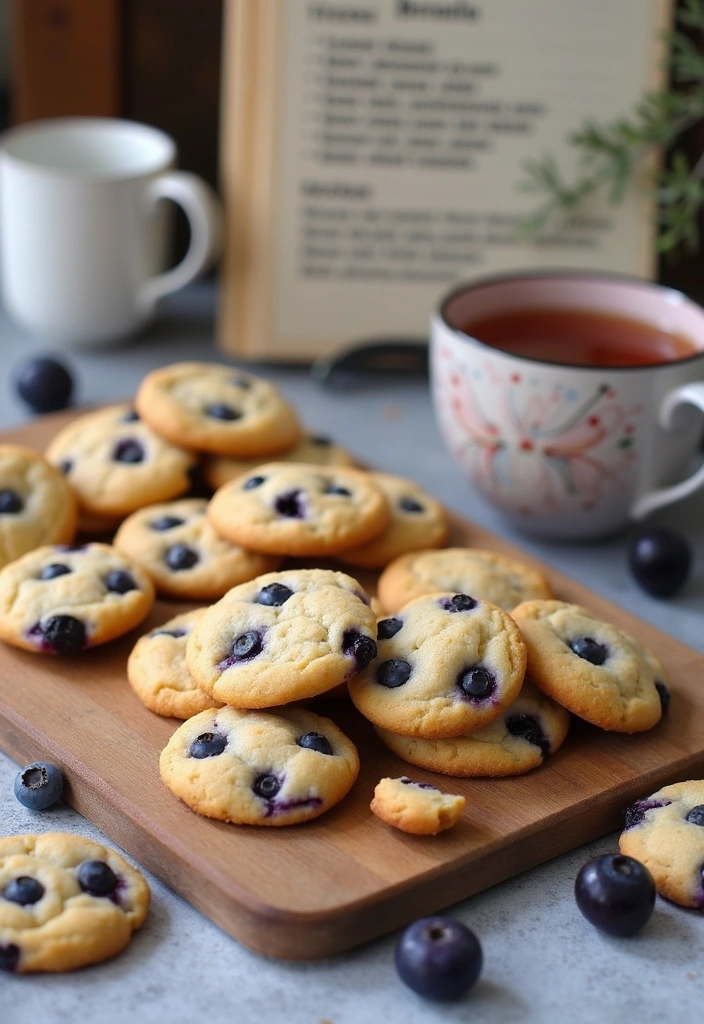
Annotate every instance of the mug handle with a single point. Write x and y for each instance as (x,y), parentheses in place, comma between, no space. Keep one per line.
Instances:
(204,212)
(688,394)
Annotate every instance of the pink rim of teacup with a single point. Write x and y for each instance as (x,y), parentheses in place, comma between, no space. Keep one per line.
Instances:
(545,290)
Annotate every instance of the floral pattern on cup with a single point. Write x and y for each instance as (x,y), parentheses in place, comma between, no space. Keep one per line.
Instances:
(562,445)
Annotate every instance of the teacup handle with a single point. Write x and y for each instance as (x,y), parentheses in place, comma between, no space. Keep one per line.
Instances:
(202,208)
(688,394)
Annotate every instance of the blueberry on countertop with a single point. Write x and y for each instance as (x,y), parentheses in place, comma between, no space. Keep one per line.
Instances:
(615,893)
(39,785)
(660,560)
(44,384)
(439,958)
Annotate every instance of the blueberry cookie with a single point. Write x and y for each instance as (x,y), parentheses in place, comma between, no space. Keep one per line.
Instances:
(284,636)
(62,599)
(37,506)
(176,544)
(484,574)
(446,665)
(416,807)
(217,409)
(259,767)
(315,449)
(158,674)
(666,833)
(283,509)
(591,667)
(417,521)
(115,463)
(518,740)
(65,902)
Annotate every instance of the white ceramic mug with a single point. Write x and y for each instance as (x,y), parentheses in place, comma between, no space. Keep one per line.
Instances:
(83,230)
(562,450)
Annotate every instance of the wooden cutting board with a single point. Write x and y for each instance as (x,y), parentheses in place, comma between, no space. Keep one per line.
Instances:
(323,887)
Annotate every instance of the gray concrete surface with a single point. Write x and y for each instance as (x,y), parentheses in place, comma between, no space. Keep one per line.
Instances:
(543,963)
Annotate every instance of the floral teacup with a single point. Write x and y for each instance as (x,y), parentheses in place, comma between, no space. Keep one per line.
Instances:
(562,450)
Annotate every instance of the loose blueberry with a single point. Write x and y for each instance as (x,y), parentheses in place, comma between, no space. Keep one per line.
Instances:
(274,595)
(44,384)
(96,878)
(290,505)
(320,441)
(410,505)
(664,694)
(24,890)
(266,786)
(660,560)
(9,954)
(64,634)
(254,481)
(10,502)
(439,958)
(248,645)
(54,569)
(459,603)
(477,682)
(166,523)
(179,557)
(131,416)
(128,450)
(361,648)
(344,492)
(120,582)
(589,649)
(208,744)
(615,893)
(315,741)
(528,727)
(39,785)
(221,411)
(696,815)
(393,673)
(388,628)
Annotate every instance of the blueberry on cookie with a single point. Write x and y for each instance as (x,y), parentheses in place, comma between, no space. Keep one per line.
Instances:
(259,767)
(65,902)
(62,600)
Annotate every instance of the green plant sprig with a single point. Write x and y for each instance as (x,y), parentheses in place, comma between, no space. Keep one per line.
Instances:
(611,154)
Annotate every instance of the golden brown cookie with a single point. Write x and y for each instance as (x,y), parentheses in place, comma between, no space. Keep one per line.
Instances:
(259,767)
(175,543)
(287,509)
(591,667)
(282,637)
(217,409)
(416,807)
(482,574)
(417,522)
(666,833)
(37,506)
(446,665)
(65,902)
(315,449)
(520,739)
(158,674)
(115,463)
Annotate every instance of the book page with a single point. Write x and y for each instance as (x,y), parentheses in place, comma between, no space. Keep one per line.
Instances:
(401,131)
